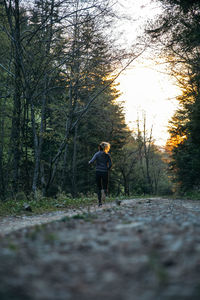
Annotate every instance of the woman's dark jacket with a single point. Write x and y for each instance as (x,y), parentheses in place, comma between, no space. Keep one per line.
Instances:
(103,161)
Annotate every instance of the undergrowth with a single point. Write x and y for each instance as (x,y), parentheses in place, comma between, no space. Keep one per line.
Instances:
(191,195)
(15,206)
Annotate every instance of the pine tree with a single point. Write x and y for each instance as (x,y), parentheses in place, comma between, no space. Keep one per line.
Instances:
(178,30)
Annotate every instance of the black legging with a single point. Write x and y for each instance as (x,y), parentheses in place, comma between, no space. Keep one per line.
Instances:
(102,183)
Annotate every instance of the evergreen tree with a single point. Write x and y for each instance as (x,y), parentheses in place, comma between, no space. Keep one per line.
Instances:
(178,30)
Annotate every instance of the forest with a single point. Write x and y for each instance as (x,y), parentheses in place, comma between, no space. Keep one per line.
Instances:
(59,100)
(178,33)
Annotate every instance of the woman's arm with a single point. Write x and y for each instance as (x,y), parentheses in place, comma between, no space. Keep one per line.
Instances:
(93,159)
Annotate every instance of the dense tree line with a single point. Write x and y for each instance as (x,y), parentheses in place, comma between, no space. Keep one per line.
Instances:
(177,30)
(58,101)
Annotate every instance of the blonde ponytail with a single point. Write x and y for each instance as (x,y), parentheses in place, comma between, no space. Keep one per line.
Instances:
(105,146)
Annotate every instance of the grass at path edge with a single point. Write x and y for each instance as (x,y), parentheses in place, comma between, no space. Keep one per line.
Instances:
(44,205)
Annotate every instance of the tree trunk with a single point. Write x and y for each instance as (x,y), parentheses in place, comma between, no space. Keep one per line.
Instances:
(126,184)
(16,129)
(147,157)
(74,165)
(64,173)
(36,153)
(2,180)
(39,142)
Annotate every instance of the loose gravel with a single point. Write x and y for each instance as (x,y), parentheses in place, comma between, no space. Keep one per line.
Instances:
(145,249)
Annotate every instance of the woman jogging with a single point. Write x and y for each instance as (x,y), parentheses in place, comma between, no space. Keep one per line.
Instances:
(103,164)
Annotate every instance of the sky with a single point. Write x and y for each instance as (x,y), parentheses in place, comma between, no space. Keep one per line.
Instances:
(146,87)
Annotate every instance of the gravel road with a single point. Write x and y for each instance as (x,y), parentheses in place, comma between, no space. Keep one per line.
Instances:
(145,249)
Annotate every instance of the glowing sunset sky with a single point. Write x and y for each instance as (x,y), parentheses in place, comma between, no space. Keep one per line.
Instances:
(144,86)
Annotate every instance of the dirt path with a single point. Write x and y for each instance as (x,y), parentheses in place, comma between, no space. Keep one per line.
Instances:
(14,223)
(145,249)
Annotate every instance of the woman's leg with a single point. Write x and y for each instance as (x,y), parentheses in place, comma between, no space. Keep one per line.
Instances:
(98,182)
(105,183)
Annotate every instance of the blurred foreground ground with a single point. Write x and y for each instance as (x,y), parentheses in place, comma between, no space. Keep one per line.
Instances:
(145,249)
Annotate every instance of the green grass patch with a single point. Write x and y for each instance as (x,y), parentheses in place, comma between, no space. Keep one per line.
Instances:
(43,204)
(158,269)
(85,216)
(194,195)
(15,207)
(189,195)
